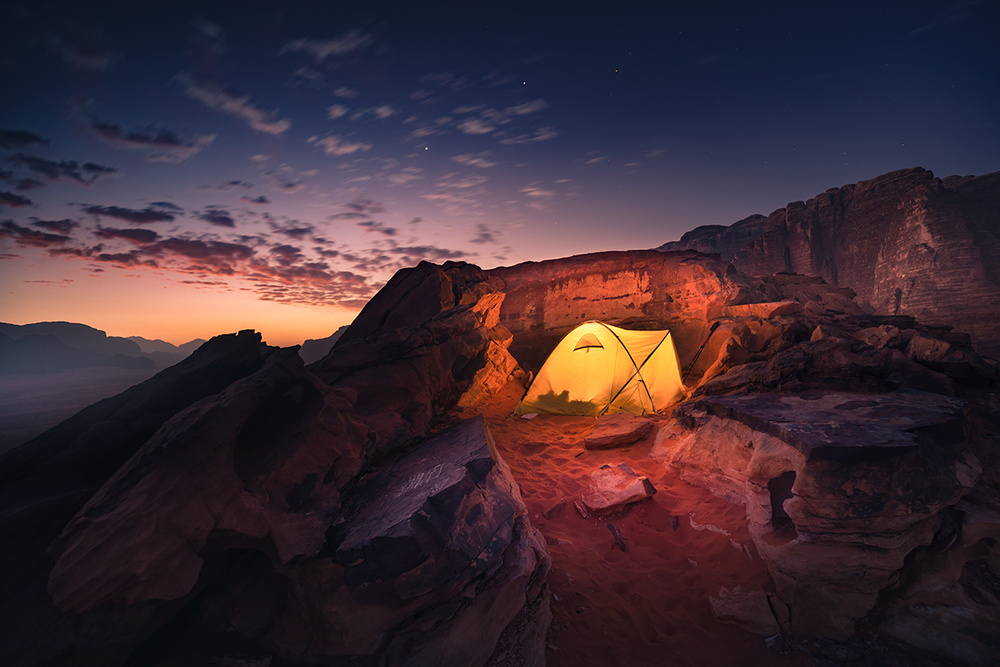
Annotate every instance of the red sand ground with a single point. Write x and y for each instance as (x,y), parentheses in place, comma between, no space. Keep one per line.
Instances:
(649,604)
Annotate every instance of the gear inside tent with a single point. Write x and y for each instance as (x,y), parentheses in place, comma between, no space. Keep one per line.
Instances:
(598,368)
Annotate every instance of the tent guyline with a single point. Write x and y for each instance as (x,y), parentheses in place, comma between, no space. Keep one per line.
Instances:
(637,374)
(598,368)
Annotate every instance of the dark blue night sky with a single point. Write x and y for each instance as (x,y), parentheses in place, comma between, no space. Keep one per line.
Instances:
(186,169)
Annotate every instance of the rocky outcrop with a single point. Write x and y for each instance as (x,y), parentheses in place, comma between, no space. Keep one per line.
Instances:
(946,603)
(306,514)
(907,242)
(612,488)
(444,535)
(839,487)
(635,289)
(617,430)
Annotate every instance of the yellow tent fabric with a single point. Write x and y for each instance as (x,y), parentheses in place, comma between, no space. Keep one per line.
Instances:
(598,368)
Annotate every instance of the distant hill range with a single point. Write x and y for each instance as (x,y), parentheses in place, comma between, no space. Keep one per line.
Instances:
(45,347)
(907,242)
(315,349)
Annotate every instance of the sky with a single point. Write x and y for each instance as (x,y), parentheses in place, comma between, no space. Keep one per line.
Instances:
(185,169)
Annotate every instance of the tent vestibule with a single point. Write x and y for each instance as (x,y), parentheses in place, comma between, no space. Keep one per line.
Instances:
(598,368)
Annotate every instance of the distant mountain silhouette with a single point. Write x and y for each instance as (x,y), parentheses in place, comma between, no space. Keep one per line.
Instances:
(166,354)
(315,349)
(45,347)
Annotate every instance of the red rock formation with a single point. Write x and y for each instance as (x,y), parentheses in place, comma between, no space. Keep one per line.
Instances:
(839,488)
(908,243)
(636,289)
(220,523)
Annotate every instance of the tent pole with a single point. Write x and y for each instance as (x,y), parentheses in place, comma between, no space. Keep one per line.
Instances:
(715,325)
(637,368)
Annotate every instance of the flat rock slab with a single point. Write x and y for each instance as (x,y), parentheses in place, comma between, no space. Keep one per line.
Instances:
(445,507)
(846,426)
(612,488)
(746,609)
(617,430)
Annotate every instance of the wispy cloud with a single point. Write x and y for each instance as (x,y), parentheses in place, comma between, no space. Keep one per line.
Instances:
(229,185)
(414,254)
(160,145)
(287,179)
(446,79)
(537,192)
(70,170)
(526,108)
(218,217)
(541,134)
(64,226)
(405,175)
(14,201)
(321,49)
(378,227)
(140,236)
(335,145)
(27,237)
(141,216)
(293,229)
(335,111)
(14,139)
(380,112)
(80,54)
(170,206)
(475,126)
(480,160)
(484,235)
(346,92)
(259,200)
(366,206)
(235,104)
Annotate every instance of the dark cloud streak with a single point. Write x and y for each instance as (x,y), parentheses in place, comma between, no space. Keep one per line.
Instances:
(146,215)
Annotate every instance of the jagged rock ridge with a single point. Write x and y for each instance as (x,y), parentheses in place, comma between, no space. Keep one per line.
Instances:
(230,507)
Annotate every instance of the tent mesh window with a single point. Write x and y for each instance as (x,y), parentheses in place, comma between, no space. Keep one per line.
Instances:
(587,341)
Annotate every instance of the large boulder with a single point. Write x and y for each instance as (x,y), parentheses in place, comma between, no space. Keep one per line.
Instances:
(442,534)
(839,487)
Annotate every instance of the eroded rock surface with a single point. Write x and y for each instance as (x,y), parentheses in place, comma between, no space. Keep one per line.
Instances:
(642,289)
(611,488)
(617,430)
(839,487)
(232,512)
(907,242)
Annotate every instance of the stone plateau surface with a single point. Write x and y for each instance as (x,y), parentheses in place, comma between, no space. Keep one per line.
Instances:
(907,242)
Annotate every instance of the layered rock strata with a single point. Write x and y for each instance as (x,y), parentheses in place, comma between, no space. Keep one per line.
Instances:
(839,487)
(636,289)
(907,242)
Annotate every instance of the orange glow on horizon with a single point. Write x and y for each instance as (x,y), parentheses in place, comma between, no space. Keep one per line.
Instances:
(151,306)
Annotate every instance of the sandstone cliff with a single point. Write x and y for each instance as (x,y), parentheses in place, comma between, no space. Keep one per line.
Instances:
(906,242)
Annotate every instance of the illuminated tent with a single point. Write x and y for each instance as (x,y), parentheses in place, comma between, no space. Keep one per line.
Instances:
(598,368)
